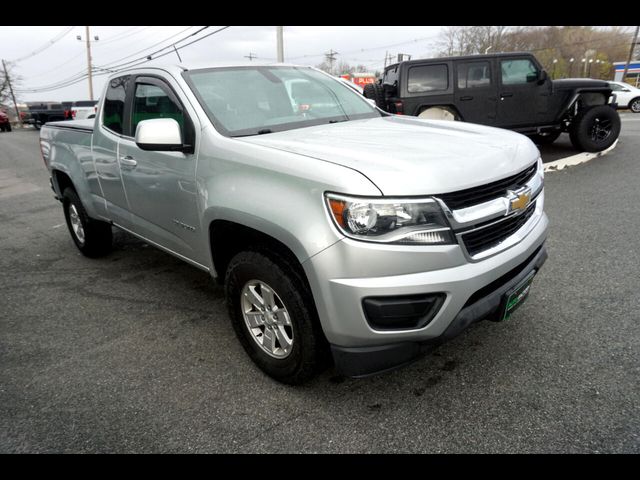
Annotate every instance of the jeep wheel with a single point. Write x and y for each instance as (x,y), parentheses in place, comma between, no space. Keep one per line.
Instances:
(274,316)
(438,113)
(595,129)
(375,92)
(544,139)
(92,237)
(634,105)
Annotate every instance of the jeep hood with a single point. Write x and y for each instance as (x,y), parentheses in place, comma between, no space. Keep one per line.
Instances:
(574,83)
(410,156)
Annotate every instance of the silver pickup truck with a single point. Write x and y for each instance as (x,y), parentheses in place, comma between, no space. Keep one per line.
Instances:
(340,232)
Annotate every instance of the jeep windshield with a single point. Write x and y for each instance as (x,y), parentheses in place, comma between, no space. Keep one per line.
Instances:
(243,101)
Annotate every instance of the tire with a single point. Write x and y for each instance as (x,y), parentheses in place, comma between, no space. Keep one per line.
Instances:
(8,127)
(37,124)
(634,105)
(438,113)
(307,351)
(94,239)
(374,91)
(547,139)
(595,129)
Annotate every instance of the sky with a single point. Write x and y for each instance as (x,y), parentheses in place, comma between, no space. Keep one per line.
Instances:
(65,56)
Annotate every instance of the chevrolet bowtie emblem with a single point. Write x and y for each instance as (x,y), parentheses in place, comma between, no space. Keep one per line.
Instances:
(519,200)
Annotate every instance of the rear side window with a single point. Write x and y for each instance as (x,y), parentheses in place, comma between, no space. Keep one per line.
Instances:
(474,75)
(518,71)
(152,101)
(428,78)
(391,76)
(114,100)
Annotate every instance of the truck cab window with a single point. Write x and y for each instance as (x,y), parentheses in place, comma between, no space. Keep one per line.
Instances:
(113,111)
(152,101)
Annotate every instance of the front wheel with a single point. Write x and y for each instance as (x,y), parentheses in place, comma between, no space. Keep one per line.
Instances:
(274,316)
(595,129)
(634,105)
(92,237)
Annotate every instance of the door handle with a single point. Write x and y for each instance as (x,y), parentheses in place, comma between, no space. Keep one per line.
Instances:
(505,95)
(466,98)
(128,161)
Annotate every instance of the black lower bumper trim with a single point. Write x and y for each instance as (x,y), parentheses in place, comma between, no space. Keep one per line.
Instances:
(364,361)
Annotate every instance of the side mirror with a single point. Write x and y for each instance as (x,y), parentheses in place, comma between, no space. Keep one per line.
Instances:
(160,135)
(542,77)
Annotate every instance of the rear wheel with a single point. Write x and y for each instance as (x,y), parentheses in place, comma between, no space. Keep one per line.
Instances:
(274,317)
(92,237)
(8,127)
(544,139)
(595,129)
(634,105)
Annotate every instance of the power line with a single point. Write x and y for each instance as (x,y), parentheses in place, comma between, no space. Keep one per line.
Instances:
(45,46)
(150,46)
(83,73)
(110,64)
(150,57)
(75,80)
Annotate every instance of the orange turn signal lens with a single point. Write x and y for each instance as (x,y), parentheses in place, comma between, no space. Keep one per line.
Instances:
(337,208)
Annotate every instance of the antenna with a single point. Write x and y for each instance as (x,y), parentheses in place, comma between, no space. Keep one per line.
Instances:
(174,47)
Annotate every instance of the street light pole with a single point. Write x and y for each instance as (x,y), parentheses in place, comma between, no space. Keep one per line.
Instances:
(280,41)
(630,57)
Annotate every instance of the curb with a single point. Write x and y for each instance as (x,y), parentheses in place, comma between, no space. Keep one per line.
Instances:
(576,159)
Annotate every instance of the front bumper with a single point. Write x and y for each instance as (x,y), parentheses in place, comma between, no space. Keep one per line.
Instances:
(344,274)
(364,361)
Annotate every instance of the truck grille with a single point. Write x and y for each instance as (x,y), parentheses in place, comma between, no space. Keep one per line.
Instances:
(482,239)
(484,193)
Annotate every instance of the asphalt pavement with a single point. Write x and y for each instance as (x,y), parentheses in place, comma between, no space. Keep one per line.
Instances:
(134,352)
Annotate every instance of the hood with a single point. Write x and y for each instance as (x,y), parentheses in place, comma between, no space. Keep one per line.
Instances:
(571,83)
(410,156)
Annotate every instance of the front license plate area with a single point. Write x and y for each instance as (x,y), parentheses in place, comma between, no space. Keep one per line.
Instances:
(515,297)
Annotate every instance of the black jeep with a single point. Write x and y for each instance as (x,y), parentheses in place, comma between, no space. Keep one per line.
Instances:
(507,90)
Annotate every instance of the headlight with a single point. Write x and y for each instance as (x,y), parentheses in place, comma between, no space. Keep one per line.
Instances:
(399,221)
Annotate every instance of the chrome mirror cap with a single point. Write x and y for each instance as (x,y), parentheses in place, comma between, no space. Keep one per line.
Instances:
(159,134)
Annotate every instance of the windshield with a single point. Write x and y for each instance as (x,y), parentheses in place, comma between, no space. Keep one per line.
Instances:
(243,101)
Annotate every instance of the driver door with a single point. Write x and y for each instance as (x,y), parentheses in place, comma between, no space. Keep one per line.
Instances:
(160,186)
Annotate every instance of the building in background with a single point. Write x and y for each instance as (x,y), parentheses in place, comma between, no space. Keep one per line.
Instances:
(633,74)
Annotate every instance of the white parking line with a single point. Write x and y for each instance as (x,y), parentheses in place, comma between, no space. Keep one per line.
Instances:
(576,159)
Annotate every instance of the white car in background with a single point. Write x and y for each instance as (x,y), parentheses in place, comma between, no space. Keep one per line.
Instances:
(626,96)
(84,109)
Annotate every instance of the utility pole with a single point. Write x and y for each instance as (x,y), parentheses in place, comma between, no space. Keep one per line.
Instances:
(251,56)
(15,104)
(331,57)
(631,50)
(280,37)
(89,62)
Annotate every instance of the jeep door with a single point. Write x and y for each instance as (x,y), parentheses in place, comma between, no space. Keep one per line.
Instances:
(522,100)
(476,91)
(160,185)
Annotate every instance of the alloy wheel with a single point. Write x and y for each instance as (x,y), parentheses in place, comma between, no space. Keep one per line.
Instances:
(267,319)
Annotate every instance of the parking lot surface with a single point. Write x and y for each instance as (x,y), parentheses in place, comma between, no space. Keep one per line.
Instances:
(135,353)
